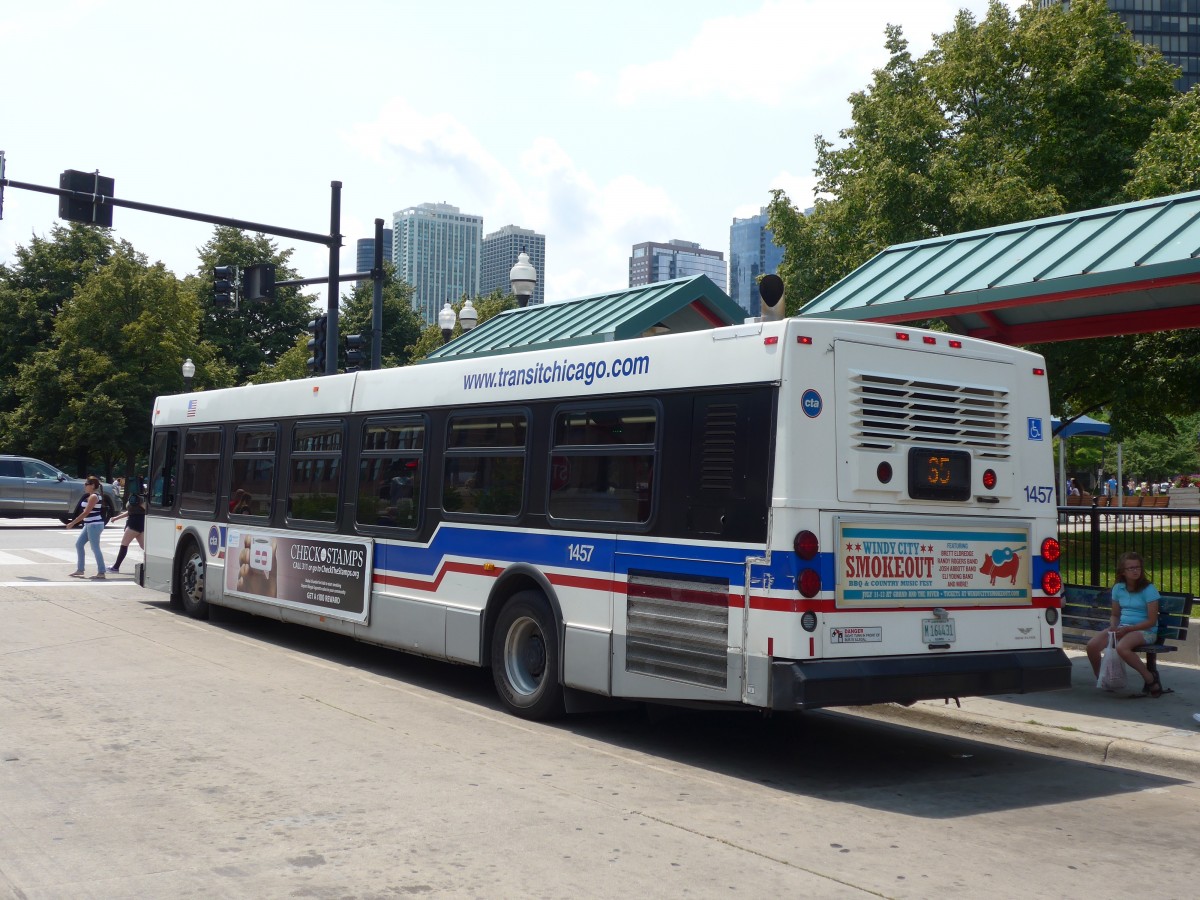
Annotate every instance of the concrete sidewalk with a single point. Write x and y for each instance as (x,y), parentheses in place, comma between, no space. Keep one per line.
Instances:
(1082,723)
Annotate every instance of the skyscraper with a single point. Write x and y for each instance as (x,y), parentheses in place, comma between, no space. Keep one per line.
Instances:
(365,251)
(499,255)
(436,250)
(1173,26)
(651,262)
(752,253)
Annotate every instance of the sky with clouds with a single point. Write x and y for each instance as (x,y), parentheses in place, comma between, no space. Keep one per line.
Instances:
(598,125)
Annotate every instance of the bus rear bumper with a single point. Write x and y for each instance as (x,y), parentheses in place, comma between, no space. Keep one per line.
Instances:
(903,679)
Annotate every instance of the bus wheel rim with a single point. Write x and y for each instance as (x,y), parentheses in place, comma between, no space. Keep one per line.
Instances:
(525,656)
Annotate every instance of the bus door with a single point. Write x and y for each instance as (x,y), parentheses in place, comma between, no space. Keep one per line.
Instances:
(678,620)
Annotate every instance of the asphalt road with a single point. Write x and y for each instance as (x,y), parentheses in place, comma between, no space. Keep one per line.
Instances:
(143,754)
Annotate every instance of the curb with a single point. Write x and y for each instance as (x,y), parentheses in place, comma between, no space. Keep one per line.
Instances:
(1142,755)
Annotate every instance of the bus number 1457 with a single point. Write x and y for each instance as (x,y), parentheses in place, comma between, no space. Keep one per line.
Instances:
(580,552)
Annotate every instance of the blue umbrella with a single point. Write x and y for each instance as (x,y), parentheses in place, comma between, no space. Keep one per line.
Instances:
(1082,425)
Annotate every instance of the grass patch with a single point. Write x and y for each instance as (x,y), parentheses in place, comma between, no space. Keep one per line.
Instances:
(1172,555)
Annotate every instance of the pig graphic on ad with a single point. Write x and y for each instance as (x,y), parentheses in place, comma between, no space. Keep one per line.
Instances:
(1002,563)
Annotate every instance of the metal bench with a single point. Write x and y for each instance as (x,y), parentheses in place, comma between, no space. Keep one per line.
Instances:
(1087,610)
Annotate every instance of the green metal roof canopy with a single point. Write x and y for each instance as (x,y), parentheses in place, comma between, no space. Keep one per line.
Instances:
(685,304)
(1116,270)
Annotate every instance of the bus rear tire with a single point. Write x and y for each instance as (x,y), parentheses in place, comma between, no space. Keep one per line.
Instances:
(192,570)
(526,657)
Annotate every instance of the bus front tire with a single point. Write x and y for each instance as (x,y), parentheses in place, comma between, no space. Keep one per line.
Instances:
(192,570)
(525,657)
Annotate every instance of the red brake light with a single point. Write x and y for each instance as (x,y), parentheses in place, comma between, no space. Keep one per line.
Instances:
(809,583)
(989,479)
(901,336)
(806,545)
(1051,550)
(803,339)
(957,345)
(1039,371)
(884,472)
(929,340)
(1051,583)
(771,341)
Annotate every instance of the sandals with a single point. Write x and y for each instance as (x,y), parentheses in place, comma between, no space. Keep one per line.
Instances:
(1153,688)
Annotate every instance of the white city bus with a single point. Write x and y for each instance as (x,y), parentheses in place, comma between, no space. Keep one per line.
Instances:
(785,515)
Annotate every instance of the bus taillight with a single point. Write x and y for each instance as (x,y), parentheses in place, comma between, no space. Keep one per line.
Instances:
(806,545)
(989,479)
(809,583)
(1051,583)
(1051,551)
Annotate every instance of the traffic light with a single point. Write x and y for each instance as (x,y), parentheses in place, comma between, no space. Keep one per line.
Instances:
(85,211)
(223,278)
(316,344)
(355,357)
(258,282)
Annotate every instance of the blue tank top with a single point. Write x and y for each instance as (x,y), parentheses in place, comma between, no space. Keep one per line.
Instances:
(1133,606)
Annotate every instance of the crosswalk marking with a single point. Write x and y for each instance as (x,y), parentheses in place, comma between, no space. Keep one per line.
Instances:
(57,556)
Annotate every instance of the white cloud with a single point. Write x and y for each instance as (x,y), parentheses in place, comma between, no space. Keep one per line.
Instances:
(799,52)
(801,189)
(437,140)
(587,221)
(582,220)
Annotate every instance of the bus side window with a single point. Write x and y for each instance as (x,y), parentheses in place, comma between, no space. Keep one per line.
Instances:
(314,473)
(389,474)
(201,462)
(484,465)
(602,464)
(252,478)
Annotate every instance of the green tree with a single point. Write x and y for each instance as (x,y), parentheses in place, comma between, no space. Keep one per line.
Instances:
(291,364)
(1169,161)
(1158,456)
(118,342)
(36,287)
(401,324)
(255,334)
(1012,118)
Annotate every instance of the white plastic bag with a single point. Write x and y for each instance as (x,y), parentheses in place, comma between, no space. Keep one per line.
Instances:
(1112,667)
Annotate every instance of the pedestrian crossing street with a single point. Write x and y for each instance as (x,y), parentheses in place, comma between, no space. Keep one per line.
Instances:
(59,558)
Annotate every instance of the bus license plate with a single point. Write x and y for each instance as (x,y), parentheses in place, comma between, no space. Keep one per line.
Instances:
(937,631)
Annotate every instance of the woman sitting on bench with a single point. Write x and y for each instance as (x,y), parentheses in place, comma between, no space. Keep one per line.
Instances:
(1134,620)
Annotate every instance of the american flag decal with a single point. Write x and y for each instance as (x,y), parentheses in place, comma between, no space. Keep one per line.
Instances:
(191,413)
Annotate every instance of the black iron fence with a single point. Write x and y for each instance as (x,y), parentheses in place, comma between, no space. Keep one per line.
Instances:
(1093,537)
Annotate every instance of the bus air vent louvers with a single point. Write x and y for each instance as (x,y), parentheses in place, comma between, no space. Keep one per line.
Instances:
(889,411)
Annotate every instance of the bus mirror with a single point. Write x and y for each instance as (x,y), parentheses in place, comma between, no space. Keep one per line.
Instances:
(770,289)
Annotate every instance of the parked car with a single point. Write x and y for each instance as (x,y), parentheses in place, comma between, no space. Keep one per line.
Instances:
(30,487)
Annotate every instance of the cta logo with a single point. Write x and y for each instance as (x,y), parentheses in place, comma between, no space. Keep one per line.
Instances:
(810,402)
(214,541)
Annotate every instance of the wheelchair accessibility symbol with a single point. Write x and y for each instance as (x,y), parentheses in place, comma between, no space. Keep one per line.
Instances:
(1035,429)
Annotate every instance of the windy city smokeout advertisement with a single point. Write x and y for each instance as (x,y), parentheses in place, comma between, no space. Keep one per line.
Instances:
(919,565)
(324,576)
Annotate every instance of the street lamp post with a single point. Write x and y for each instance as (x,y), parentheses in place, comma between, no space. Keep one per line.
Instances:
(467,317)
(189,372)
(446,321)
(523,277)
